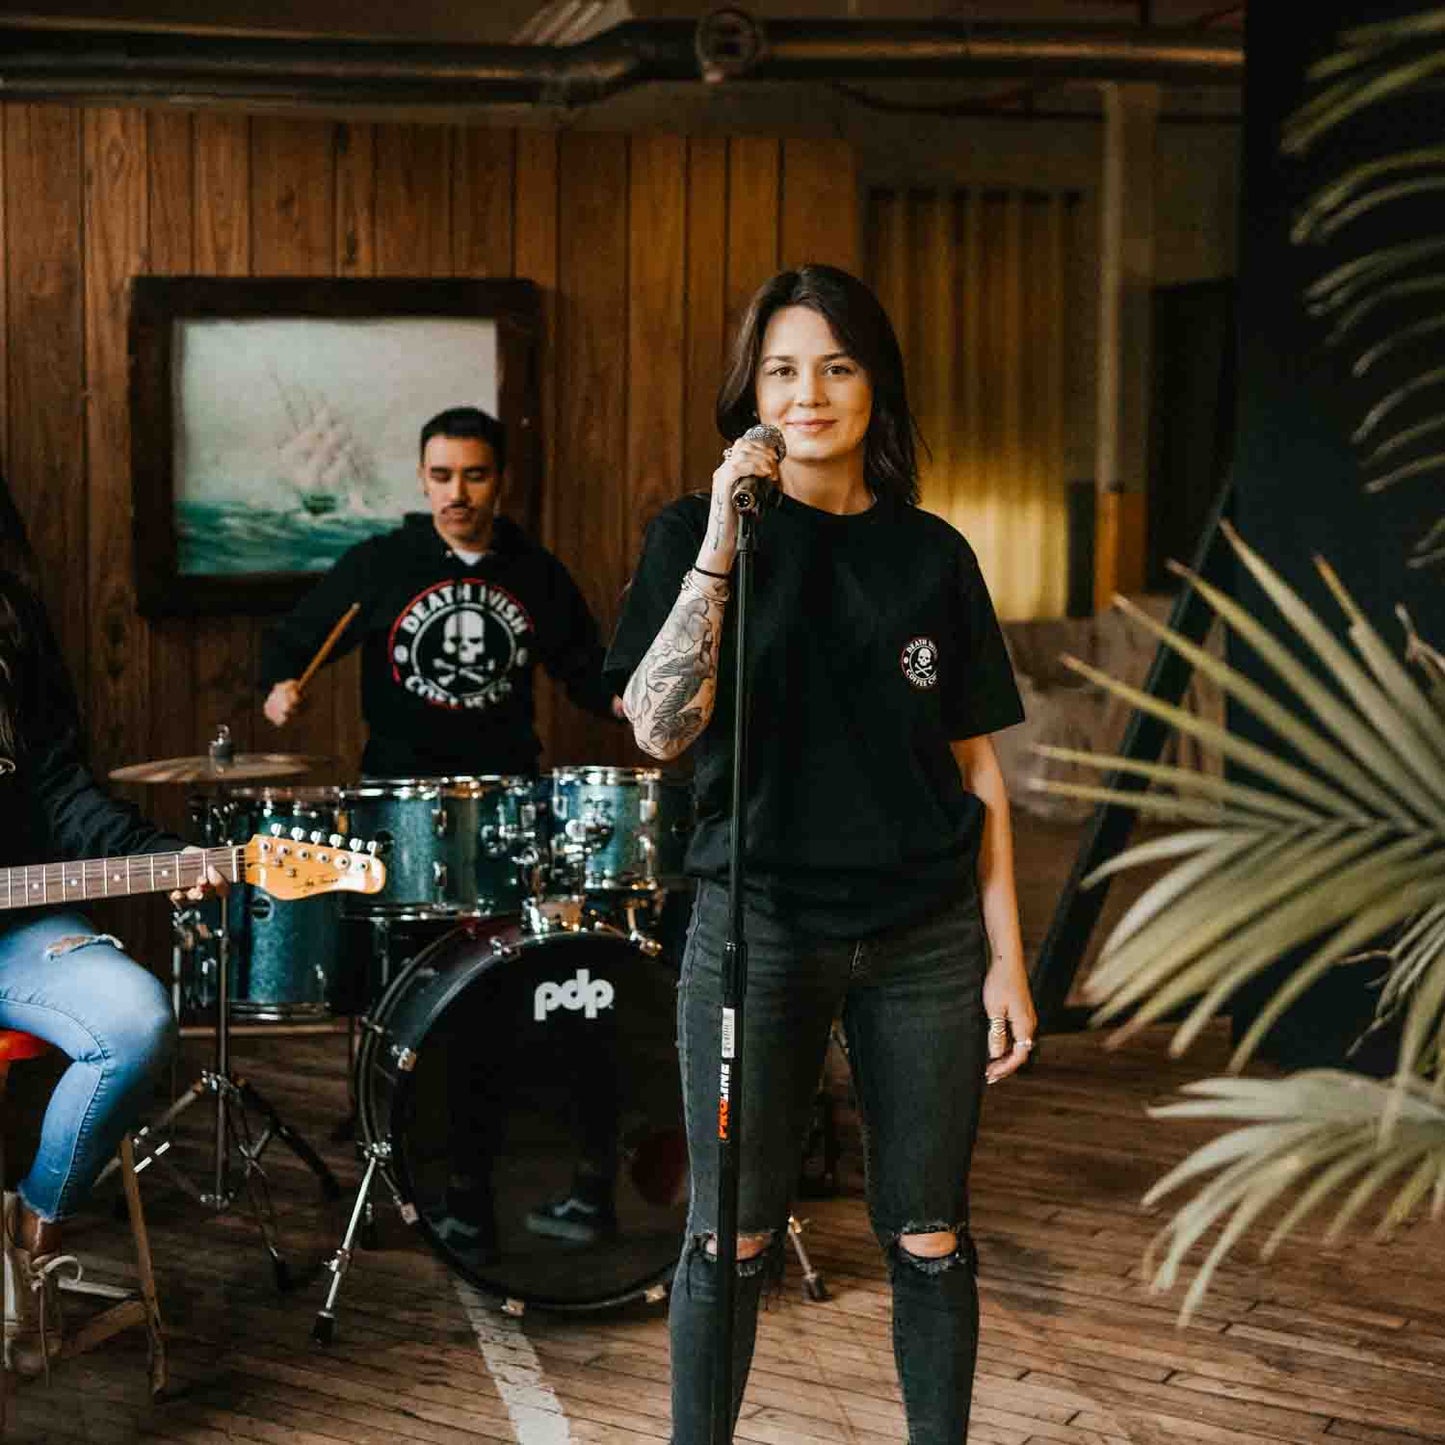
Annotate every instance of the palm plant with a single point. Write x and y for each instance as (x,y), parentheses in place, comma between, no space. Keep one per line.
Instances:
(1336,839)
(1322,851)
(1373,66)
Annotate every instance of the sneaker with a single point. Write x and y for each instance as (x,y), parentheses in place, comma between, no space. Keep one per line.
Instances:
(573,1219)
(33,1326)
(469,1223)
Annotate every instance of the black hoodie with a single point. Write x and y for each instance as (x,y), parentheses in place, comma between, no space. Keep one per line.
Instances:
(448,647)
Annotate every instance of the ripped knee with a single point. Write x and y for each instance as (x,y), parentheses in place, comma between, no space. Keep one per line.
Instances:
(933,1249)
(933,1244)
(72,941)
(752,1252)
(749,1246)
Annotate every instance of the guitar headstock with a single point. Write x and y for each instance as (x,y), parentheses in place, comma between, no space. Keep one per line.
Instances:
(300,865)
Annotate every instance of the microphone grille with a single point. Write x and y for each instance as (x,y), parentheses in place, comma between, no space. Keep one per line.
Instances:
(768,433)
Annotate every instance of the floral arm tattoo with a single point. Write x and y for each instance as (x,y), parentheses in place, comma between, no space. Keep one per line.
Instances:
(669,698)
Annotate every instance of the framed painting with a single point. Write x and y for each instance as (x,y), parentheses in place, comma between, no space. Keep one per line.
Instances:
(274,421)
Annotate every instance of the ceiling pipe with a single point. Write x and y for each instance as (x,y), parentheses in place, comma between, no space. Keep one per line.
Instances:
(103,62)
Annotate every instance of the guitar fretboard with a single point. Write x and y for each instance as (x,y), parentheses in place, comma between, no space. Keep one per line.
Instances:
(42,883)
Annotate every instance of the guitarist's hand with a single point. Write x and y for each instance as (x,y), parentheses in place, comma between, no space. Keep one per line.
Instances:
(215,886)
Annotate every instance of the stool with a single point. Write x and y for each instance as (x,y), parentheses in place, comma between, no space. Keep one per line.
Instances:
(127,1307)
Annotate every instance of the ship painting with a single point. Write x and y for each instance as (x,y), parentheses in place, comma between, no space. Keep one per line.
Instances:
(295,438)
(321,460)
(324,496)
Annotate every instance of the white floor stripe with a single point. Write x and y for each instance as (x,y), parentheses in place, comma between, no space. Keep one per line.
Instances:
(534,1410)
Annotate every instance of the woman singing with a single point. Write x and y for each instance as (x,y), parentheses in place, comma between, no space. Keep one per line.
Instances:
(879,859)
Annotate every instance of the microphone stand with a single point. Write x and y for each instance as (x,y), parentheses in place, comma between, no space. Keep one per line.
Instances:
(734,987)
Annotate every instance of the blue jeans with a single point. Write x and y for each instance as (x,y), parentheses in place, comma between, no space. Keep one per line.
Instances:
(911,999)
(74,988)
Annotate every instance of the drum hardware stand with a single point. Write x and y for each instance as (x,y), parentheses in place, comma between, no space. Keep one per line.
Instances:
(362,1221)
(813,1286)
(233,1096)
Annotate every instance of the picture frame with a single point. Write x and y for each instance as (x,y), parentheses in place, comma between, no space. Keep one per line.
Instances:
(274,421)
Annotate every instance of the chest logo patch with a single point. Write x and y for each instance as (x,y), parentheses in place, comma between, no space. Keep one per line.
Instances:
(460,643)
(920,662)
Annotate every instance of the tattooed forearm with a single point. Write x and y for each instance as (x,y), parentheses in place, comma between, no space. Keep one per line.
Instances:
(669,698)
(717,523)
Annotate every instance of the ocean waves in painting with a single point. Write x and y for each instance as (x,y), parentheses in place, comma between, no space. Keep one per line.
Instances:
(226,538)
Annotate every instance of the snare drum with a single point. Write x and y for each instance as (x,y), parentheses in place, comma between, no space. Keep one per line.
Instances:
(450,845)
(285,956)
(619,830)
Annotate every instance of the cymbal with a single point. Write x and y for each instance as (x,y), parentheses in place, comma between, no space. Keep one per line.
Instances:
(203,769)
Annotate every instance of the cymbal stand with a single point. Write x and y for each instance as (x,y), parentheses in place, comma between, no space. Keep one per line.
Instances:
(233,1097)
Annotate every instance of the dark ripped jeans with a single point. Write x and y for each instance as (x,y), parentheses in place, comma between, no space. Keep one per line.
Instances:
(911,1000)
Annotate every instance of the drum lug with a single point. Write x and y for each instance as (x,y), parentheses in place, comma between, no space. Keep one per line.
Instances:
(551,915)
(441,822)
(439,879)
(403,1057)
(514,1307)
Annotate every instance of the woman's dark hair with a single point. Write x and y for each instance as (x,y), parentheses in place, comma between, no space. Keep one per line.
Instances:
(862,326)
(472,423)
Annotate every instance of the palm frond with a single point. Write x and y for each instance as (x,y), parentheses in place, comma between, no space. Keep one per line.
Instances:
(1372,68)
(1328,855)
(1321,1129)
(1406,471)
(1345,99)
(1353,317)
(1402,336)
(1401,759)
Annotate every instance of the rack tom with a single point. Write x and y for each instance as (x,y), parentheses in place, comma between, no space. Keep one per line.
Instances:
(618,830)
(461,845)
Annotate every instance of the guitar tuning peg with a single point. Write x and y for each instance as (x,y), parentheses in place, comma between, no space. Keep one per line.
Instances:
(371,847)
(299,834)
(317,836)
(276,830)
(336,840)
(356,845)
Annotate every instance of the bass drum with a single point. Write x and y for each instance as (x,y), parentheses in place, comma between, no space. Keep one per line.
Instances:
(522,1090)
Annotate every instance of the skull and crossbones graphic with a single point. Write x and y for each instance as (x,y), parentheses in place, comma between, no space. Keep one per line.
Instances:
(457,643)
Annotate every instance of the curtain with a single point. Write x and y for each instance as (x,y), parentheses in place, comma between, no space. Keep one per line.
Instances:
(975,283)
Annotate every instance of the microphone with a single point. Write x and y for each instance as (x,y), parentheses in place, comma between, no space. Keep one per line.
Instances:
(748,494)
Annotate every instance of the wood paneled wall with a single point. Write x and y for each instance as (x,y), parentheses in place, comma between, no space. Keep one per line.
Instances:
(646,246)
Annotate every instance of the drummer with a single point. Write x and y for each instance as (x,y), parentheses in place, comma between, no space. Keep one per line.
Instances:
(457,604)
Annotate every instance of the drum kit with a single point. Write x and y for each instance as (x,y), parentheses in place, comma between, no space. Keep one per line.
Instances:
(515,1077)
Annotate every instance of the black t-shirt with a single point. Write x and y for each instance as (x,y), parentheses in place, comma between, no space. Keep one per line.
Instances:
(874,646)
(448,647)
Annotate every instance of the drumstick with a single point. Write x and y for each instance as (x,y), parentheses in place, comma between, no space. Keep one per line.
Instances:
(324,651)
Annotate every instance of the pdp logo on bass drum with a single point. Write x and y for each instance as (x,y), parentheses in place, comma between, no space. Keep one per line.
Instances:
(582,992)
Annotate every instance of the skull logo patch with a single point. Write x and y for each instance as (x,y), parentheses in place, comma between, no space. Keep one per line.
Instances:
(459,643)
(920,662)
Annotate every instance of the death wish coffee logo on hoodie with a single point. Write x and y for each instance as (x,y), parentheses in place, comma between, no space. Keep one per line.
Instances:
(456,644)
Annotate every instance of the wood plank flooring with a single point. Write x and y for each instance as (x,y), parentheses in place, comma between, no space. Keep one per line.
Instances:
(1341,1344)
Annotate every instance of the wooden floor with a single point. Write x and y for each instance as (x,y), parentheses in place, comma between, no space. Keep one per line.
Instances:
(1343,1344)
